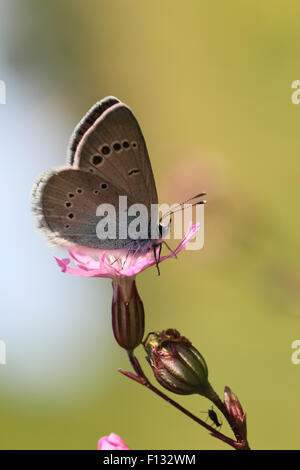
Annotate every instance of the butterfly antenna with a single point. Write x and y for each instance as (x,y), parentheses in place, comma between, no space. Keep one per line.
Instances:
(180,208)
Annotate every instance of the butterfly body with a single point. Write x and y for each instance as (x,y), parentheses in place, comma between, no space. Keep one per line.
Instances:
(107,163)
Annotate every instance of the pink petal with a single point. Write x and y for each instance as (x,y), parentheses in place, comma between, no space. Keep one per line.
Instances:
(84,259)
(62,263)
(112,442)
(87,266)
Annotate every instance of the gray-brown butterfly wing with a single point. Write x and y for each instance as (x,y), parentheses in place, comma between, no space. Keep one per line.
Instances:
(65,202)
(86,122)
(114,148)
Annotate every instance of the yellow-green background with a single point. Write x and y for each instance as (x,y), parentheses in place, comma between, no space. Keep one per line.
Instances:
(210,83)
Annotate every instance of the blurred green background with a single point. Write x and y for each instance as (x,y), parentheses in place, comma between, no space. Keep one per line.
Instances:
(210,84)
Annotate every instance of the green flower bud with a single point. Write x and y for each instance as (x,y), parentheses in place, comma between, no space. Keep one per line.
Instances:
(176,364)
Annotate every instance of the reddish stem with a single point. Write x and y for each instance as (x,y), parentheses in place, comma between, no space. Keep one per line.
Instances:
(143,380)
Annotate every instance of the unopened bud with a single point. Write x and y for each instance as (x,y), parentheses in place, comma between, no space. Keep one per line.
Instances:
(176,364)
(235,410)
(128,318)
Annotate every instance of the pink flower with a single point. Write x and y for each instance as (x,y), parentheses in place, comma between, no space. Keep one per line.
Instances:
(112,442)
(107,264)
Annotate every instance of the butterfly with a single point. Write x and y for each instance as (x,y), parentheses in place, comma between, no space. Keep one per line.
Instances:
(107,158)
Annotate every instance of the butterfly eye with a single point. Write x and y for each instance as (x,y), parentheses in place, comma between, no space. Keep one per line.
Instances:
(117,147)
(103,186)
(97,160)
(105,150)
(68,204)
(134,145)
(67,226)
(79,191)
(71,195)
(133,172)
(125,144)
(96,191)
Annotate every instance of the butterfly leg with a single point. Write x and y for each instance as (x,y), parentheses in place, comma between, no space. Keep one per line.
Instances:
(155,257)
(159,253)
